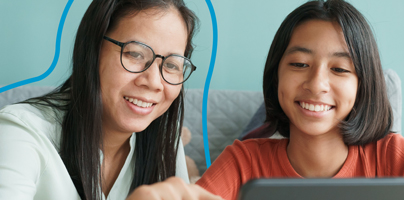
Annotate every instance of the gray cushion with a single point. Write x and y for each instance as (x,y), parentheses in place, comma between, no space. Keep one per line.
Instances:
(22,93)
(228,112)
(393,84)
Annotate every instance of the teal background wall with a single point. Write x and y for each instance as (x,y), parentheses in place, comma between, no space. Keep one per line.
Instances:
(245,28)
(28,35)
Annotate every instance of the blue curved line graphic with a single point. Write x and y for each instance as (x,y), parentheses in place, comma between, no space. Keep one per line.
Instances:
(207,83)
(55,58)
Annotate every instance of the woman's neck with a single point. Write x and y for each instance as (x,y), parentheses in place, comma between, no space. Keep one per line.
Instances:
(116,148)
(114,143)
(316,156)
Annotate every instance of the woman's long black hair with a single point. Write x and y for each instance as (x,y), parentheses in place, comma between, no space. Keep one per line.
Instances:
(371,117)
(79,98)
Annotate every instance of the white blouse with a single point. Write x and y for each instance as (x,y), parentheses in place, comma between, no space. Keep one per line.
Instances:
(30,165)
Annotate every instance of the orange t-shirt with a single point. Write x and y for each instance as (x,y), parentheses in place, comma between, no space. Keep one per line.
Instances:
(265,158)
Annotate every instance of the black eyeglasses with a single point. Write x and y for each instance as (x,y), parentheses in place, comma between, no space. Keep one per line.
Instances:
(137,57)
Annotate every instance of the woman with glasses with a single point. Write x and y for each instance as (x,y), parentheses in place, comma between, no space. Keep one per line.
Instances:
(114,124)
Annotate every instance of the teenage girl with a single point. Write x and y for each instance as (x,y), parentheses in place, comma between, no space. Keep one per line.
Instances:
(325,92)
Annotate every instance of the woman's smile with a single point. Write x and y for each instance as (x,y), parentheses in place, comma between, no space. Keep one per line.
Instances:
(138,102)
(138,106)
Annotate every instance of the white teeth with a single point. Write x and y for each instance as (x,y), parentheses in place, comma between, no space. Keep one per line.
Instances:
(311,107)
(315,108)
(139,102)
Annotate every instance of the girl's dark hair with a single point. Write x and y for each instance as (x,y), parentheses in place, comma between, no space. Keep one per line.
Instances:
(371,116)
(79,97)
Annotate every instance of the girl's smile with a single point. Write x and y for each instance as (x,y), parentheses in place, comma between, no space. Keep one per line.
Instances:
(314,109)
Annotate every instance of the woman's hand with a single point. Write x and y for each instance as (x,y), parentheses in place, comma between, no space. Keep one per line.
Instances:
(172,189)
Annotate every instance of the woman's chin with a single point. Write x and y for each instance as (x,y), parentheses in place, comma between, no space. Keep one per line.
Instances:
(136,129)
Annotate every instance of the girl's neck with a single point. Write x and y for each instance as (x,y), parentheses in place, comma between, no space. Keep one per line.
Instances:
(316,156)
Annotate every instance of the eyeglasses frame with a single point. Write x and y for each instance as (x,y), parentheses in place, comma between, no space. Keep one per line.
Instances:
(122,45)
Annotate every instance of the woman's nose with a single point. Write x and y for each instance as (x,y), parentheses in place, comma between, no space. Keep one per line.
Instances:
(317,80)
(151,78)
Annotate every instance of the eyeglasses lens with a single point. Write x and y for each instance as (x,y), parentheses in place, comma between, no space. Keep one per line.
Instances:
(136,57)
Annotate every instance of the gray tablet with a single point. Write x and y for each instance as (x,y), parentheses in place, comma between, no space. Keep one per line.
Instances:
(328,189)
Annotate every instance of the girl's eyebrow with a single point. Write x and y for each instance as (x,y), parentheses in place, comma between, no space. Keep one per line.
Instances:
(295,49)
(298,49)
(342,55)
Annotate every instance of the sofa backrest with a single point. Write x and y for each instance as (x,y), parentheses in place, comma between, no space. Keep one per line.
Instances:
(228,113)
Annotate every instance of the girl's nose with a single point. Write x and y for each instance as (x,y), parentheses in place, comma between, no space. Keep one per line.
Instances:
(317,80)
